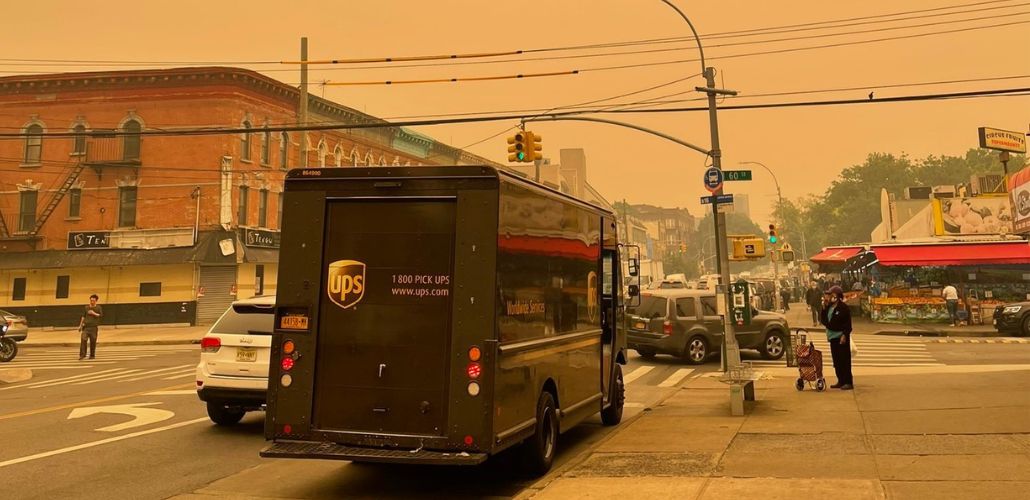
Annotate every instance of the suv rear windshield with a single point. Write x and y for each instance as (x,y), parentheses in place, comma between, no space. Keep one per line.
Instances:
(671,285)
(244,319)
(650,307)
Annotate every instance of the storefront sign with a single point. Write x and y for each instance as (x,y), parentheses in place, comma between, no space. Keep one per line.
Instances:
(261,238)
(1002,140)
(88,240)
(979,215)
(1019,197)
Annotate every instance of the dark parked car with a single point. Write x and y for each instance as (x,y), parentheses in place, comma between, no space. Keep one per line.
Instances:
(1013,318)
(17,326)
(686,324)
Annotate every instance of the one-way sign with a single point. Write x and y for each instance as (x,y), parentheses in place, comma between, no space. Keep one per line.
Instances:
(723,198)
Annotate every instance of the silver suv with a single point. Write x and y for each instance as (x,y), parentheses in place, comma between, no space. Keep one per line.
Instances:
(686,324)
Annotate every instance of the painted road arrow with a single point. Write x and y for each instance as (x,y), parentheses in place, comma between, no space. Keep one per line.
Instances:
(142,416)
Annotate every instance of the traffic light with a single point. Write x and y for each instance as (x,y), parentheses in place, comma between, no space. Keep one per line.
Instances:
(517,149)
(773,238)
(683,247)
(787,255)
(532,146)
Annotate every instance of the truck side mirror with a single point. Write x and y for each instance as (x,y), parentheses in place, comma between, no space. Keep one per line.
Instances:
(634,268)
(634,290)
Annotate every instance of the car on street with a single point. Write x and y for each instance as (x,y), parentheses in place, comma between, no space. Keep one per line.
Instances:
(1013,318)
(686,324)
(17,326)
(668,284)
(232,377)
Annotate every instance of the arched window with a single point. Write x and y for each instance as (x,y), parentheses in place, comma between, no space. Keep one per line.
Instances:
(338,155)
(131,141)
(245,145)
(266,147)
(354,158)
(79,142)
(33,144)
(382,161)
(284,151)
(369,159)
(321,154)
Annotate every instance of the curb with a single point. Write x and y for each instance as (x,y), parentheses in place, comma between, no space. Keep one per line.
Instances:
(979,341)
(938,333)
(113,343)
(14,375)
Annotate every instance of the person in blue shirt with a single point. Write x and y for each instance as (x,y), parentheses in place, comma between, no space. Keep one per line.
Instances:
(836,317)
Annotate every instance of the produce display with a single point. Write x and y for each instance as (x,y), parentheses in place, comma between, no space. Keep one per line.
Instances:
(907,300)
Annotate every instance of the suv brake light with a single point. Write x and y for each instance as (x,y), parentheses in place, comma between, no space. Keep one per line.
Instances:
(210,344)
(667,327)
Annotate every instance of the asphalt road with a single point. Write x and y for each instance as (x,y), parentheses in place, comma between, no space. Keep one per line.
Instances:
(66,433)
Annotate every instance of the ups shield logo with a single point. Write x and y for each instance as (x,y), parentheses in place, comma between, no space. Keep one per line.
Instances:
(346,282)
(592,295)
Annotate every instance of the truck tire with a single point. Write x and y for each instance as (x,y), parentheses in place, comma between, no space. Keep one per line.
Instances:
(612,415)
(538,450)
(221,415)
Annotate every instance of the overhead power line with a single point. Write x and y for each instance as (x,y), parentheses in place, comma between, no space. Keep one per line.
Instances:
(465,79)
(427,122)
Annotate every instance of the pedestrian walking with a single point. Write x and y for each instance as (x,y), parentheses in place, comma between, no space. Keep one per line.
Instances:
(89,325)
(814,300)
(951,300)
(785,297)
(836,317)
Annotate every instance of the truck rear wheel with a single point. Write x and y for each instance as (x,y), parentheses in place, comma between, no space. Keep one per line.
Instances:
(222,415)
(538,450)
(612,415)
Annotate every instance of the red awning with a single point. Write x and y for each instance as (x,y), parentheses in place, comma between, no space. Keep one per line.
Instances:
(836,255)
(954,255)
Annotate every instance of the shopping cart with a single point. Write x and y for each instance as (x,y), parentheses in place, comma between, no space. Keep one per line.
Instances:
(809,361)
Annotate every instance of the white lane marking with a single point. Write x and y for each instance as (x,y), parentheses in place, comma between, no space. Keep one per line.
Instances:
(91,377)
(141,374)
(59,367)
(192,373)
(154,374)
(181,392)
(635,374)
(633,405)
(63,379)
(140,415)
(675,378)
(84,446)
(46,362)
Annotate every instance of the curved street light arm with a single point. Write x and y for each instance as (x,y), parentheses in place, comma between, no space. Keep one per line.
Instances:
(621,124)
(692,30)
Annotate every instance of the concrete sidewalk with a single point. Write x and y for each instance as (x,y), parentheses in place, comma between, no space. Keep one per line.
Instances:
(905,433)
(799,317)
(110,336)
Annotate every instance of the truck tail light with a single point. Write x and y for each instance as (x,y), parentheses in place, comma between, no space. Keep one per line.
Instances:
(210,344)
(667,327)
(474,370)
(287,363)
(289,347)
(474,388)
(286,380)
(475,354)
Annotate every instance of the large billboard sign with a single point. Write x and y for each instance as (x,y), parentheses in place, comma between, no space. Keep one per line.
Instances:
(1019,192)
(979,215)
(1002,140)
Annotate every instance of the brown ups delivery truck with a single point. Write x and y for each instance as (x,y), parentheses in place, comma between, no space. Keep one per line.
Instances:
(441,315)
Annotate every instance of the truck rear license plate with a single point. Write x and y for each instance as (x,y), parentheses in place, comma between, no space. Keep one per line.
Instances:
(245,354)
(294,323)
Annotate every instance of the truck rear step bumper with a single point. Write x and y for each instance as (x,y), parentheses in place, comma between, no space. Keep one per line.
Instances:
(333,451)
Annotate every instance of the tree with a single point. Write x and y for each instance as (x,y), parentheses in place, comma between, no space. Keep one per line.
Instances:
(702,249)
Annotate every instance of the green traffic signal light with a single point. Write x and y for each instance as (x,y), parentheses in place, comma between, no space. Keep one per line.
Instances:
(521,155)
(772,239)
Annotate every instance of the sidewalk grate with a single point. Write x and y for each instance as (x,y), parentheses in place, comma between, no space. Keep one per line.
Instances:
(647,464)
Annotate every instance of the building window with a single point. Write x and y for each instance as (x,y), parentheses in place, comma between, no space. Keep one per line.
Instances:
(354,158)
(74,203)
(131,141)
(263,208)
(19,289)
(63,283)
(33,144)
(321,154)
(150,289)
(259,279)
(245,145)
(279,218)
(244,207)
(369,160)
(284,151)
(79,144)
(266,147)
(127,206)
(338,156)
(27,211)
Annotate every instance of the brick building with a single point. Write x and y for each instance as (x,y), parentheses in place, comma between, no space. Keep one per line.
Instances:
(165,228)
(672,226)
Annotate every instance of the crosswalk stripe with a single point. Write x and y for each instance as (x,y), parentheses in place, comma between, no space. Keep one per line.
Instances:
(185,375)
(63,362)
(72,377)
(126,375)
(58,366)
(143,376)
(675,378)
(635,374)
(87,379)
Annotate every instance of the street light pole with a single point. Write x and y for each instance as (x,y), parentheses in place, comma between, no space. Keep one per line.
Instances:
(779,205)
(731,350)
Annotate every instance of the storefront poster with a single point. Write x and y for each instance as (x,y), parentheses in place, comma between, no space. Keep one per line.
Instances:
(1019,191)
(979,215)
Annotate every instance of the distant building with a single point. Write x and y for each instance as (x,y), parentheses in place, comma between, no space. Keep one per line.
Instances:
(671,226)
(569,176)
(742,204)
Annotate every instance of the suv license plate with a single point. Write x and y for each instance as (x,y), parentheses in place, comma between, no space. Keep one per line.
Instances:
(245,354)
(640,326)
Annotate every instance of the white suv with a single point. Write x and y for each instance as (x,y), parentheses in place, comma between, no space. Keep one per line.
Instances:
(232,377)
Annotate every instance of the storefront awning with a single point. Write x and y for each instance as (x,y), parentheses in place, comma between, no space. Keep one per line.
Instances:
(954,255)
(836,255)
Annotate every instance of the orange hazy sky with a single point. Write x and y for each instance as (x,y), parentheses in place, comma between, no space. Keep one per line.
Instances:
(806,147)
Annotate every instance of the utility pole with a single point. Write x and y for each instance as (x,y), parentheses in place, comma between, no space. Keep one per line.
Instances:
(625,220)
(303,102)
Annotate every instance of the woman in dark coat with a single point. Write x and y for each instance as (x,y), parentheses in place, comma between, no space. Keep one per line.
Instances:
(836,317)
